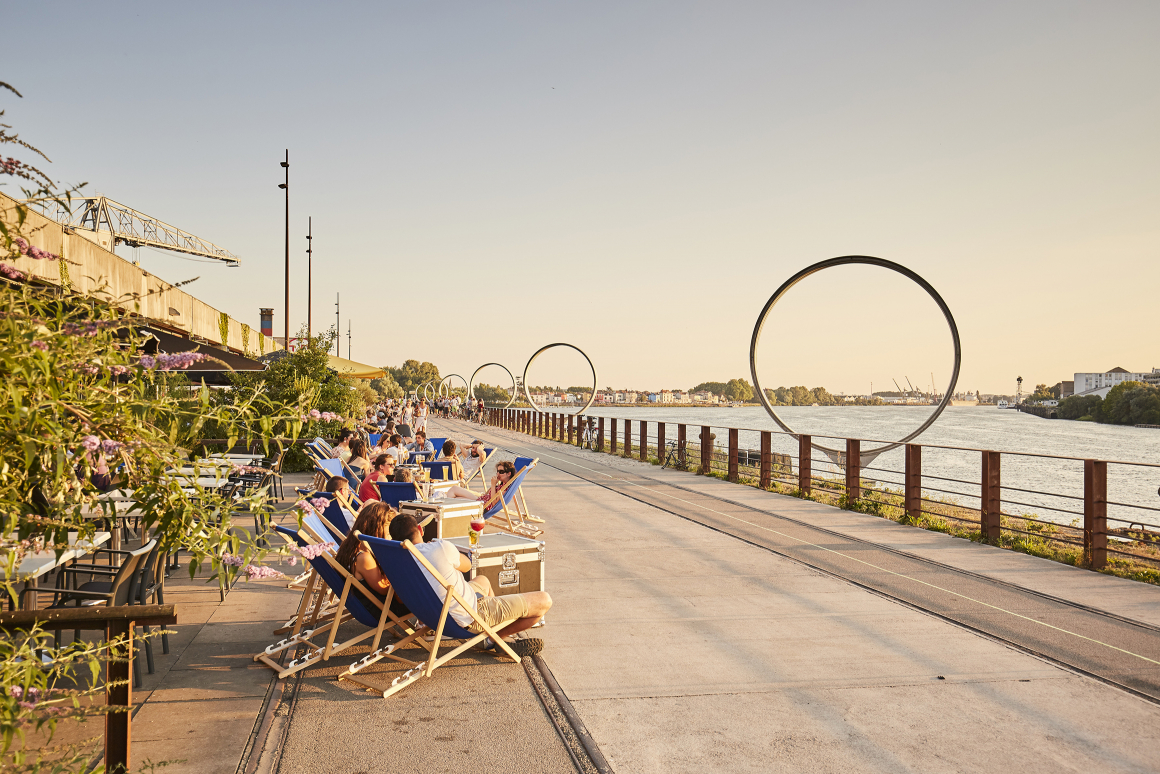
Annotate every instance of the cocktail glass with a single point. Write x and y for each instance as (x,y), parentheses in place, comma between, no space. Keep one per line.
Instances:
(476,528)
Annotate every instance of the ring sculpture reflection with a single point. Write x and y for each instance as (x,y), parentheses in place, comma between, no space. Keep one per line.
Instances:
(471,383)
(444,390)
(869,454)
(532,359)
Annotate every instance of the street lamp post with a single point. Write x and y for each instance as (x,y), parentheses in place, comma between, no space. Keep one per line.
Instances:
(337,325)
(309,275)
(286,187)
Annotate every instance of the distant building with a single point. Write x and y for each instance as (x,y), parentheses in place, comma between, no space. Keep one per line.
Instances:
(1100,384)
(667,396)
(1153,378)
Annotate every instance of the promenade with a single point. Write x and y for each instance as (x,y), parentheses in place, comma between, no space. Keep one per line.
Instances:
(700,626)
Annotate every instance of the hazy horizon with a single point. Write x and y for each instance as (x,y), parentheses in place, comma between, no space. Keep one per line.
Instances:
(636,178)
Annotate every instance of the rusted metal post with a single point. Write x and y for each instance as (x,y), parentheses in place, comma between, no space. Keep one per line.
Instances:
(853,470)
(1095,513)
(913,487)
(805,463)
(766,459)
(991,498)
(682,448)
(643,441)
(600,434)
(118,725)
(733,475)
(612,435)
(706,450)
(628,438)
(571,422)
(661,442)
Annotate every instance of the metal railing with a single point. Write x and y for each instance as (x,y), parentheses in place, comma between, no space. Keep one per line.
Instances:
(988,494)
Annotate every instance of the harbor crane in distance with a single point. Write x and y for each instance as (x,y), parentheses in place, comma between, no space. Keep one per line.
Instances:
(107,223)
(896,385)
(907,378)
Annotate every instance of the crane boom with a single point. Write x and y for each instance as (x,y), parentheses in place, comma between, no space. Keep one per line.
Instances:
(130,227)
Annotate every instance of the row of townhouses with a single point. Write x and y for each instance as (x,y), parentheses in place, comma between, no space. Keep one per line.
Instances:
(626,396)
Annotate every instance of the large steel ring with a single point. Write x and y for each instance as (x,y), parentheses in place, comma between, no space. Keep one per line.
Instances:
(471,383)
(532,359)
(427,386)
(866,454)
(444,382)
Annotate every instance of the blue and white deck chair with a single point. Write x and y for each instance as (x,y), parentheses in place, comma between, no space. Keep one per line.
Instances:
(414,458)
(394,492)
(356,602)
(506,497)
(324,446)
(437,444)
(407,570)
(374,438)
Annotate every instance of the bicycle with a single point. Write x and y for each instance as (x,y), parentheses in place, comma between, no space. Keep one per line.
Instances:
(588,439)
(673,457)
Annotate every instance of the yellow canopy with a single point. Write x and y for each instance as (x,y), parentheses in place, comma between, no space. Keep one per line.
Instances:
(357,370)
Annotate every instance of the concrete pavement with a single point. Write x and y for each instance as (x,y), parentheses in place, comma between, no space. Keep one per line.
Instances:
(685,648)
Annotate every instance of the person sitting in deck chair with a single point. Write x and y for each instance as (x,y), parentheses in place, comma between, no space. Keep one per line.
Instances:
(342,448)
(355,556)
(449,449)
(474,458)
(504,472)
(527,609)
(421,444)
(384,470)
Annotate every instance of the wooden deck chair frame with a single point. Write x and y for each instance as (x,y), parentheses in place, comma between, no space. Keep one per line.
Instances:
(316,653)
(318,603)
(523,529)
(434,660)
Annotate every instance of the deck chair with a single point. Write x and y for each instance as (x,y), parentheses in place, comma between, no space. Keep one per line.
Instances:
(365,606)
(325,602)
(505,497)
(440,469)
(415,458)
(324,446)
(407,570)
(437,444)
(521,463)
(394,492)
(479,471)
(374,438)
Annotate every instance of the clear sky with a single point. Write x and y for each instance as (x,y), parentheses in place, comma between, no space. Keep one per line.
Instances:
(636,178)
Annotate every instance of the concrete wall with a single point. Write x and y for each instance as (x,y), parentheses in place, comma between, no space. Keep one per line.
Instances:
(96,271)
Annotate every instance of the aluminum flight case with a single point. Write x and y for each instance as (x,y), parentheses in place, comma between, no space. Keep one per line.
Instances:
(513,564)
(452,516)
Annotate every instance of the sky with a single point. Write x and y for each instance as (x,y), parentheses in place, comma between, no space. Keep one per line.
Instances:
(636,179)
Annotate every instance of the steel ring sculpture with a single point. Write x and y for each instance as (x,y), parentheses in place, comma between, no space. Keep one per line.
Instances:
(532,359)
(427,386)
(444,382)
(868,454)
(471,384)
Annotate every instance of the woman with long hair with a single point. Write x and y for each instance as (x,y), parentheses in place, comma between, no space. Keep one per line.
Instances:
(375,520)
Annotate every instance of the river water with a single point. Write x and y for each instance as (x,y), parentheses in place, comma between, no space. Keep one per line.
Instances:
(1055,484)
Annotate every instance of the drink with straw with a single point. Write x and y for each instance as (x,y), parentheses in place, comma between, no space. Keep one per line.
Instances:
(476,528)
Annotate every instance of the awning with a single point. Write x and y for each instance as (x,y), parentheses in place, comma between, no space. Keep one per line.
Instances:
(345,367)
(211,371)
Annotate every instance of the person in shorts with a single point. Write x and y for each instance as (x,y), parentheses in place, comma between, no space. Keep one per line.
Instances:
(527,609)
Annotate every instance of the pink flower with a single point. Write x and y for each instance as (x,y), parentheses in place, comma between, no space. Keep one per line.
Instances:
(180,360)
(233,561)
(41,345)
(26,705)
(320,503)
(111,447)
(33,252)
(16,692)
(257,573)
(147,361)
(315,414)
(314,551)
(11,272)
(90,442)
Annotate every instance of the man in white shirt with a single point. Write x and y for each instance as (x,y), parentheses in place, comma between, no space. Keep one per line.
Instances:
(474,458)
(526,609)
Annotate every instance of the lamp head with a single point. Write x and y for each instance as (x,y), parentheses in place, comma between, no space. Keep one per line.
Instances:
(281,185)
(284,163)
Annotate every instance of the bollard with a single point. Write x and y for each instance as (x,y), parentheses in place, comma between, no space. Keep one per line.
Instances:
(661,453)
(644,441)
(853,470)
(600,434)
(913,485)
(706,450)
(991,500)
(805,466)
(628,438)
(733,475)
(1095,513)
(612,434)
(682,448)
(766,459)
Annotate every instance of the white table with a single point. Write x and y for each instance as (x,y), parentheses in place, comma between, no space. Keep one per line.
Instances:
(35,565)
(237,458)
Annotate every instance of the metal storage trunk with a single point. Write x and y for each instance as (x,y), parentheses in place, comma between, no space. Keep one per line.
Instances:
(452,516)
(513,564)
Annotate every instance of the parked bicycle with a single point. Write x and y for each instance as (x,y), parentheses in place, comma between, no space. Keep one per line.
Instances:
(588,438)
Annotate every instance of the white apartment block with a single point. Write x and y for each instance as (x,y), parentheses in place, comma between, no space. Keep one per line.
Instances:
(1100,384)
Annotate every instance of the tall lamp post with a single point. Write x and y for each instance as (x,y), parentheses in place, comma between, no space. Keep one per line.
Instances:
(337,325)
(286,187)
(309,274)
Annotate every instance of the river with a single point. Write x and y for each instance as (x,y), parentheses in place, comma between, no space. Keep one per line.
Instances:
(1055,483)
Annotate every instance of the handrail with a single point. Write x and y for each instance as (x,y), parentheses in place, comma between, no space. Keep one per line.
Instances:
(119,621)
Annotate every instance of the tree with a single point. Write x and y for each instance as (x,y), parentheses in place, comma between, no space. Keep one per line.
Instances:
(800,396)
(739,390)
(1128,402)
(387,387)
(412,374)
(1080,406)
(716,388)
(1042,392)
